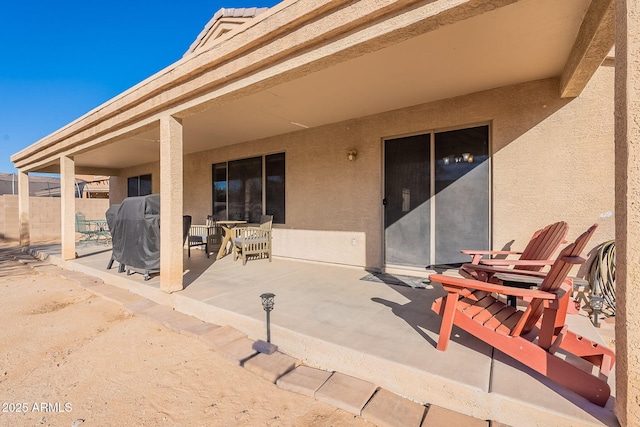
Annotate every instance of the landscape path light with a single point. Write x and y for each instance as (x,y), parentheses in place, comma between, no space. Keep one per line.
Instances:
(267,305)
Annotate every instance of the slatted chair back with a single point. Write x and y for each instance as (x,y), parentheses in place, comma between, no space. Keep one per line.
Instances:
(266,222)
(215,236)
(543,244)
(568,257)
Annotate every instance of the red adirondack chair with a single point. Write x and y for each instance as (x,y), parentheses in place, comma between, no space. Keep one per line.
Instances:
(534,335)
(535,256)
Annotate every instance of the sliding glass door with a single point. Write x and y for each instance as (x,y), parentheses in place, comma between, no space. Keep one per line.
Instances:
(436,197)
(407,207)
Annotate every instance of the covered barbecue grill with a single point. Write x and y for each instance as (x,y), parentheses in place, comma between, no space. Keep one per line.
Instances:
(135,229)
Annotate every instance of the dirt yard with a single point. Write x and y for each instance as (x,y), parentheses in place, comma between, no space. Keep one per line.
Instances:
(69,358)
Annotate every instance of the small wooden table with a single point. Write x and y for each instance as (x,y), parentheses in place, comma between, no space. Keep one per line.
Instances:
(227,226)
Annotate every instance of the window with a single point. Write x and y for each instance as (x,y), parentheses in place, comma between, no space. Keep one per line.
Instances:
(220,190)
(139,185)
(244,194)
(274,187)
(248,188)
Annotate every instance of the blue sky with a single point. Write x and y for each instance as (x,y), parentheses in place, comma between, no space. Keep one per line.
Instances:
(61,59)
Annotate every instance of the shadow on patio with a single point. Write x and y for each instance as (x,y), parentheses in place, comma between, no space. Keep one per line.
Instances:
(328,317)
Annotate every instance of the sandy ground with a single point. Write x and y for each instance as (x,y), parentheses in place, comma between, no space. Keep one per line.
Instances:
(70,358)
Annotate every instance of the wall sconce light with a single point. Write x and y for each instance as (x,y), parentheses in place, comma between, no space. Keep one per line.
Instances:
(351,155)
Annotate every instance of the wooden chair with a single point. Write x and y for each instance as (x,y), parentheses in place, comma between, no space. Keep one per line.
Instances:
(186,226)
(535,256)
(198,236)
(215,232)
(534,335)
(253,241)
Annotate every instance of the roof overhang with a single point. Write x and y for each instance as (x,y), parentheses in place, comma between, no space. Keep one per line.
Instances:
(304,64)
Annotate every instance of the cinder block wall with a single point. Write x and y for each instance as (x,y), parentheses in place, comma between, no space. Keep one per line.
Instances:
(9,226)
(44,213)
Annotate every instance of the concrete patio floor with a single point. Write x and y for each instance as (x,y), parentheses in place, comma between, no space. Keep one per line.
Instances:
(329,318)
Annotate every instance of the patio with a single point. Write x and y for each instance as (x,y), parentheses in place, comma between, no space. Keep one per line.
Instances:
(326,316)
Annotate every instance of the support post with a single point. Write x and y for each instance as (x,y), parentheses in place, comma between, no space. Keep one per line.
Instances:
(23,208)
(171,188)
(67,207)
(627,195)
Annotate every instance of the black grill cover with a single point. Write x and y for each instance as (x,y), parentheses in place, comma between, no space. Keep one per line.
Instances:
(111,214)
(135,230)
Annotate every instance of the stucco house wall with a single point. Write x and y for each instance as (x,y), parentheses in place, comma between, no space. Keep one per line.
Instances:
(118,183)
(560,168)
(552,159)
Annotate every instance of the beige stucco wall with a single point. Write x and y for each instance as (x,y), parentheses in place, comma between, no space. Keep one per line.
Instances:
(118,184)
(44,216)
(551,160)
(560,169)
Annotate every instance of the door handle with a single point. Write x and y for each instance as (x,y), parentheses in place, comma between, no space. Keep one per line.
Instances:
(384,201)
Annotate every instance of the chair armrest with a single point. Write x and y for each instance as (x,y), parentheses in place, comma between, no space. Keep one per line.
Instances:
(476,255)
(518,262)
(491,270)
(573,259)
(489,252)
(457,284)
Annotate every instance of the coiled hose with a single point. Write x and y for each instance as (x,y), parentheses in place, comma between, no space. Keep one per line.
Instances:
(602,277)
